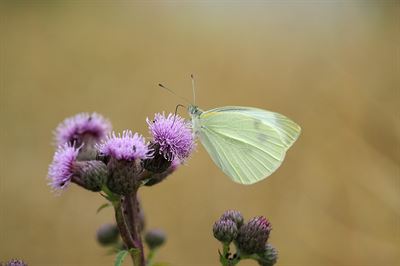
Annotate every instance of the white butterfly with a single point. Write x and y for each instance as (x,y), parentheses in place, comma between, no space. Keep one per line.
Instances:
(248,144)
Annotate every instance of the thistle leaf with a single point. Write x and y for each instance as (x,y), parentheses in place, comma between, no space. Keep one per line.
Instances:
(119,259)
(103,206)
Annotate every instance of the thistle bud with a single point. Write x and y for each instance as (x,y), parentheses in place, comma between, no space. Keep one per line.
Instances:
(155,238)
(225,230)
(107,234)
(253,236)
(122,176)
(269,256)
(234,216)
(90,174)
(15,262)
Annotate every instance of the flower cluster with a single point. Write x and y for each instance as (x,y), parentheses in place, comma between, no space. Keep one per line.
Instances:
(92,156)
(250,238)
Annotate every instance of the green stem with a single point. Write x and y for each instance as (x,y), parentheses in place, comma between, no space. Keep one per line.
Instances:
(150,257)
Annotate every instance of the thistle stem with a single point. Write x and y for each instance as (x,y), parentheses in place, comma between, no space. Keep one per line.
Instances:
(150,257)
(123,228)
(131,207)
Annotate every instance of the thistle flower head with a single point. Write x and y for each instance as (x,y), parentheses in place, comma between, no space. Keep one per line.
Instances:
(225,230)
(234,216)
(253,236)
(172,136)
(127,146)
(61,169)
(74,129)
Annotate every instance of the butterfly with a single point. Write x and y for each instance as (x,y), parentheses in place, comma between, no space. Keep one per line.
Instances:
(248,144)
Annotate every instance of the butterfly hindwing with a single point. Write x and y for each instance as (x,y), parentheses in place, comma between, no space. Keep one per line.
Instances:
(241,144)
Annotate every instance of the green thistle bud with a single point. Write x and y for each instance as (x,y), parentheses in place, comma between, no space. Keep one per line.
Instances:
(107,234)
(253,236)
(123,175)
(269,256)
(90,174)
(225,230)
(234,216)
(155,238)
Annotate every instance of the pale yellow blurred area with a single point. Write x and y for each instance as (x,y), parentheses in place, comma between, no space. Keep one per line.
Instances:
(331,66)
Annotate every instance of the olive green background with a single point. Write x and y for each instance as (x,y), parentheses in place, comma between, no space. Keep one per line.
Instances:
(331,66)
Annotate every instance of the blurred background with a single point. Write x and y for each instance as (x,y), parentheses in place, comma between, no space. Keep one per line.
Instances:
(331,66)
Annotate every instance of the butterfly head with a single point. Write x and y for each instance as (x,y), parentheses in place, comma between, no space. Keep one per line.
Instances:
(194,110)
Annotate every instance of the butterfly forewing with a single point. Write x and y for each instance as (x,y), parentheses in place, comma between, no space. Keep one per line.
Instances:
(288,130)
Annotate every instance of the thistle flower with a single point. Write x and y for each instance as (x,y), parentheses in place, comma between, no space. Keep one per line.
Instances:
(16,262)
(65,168)
(124,152)
(127,146)
(269,256)
(155,238)
(107,234)
(172,138)
(225,230)
(234,216)
(253,236)
(76,128)
(61,169)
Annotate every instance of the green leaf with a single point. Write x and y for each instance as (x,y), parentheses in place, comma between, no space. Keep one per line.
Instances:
(103,206)
(119,259)
(113,198)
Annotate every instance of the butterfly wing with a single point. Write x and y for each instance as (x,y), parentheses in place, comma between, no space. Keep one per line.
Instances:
(288,130)
(247,145)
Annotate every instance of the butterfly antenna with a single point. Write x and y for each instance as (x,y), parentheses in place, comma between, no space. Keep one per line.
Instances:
(176,111)
(194,91)
(171,91)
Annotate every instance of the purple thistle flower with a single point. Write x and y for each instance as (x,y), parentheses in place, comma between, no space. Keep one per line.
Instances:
(173,136)
(127,146)
(61,169)
(74,129)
